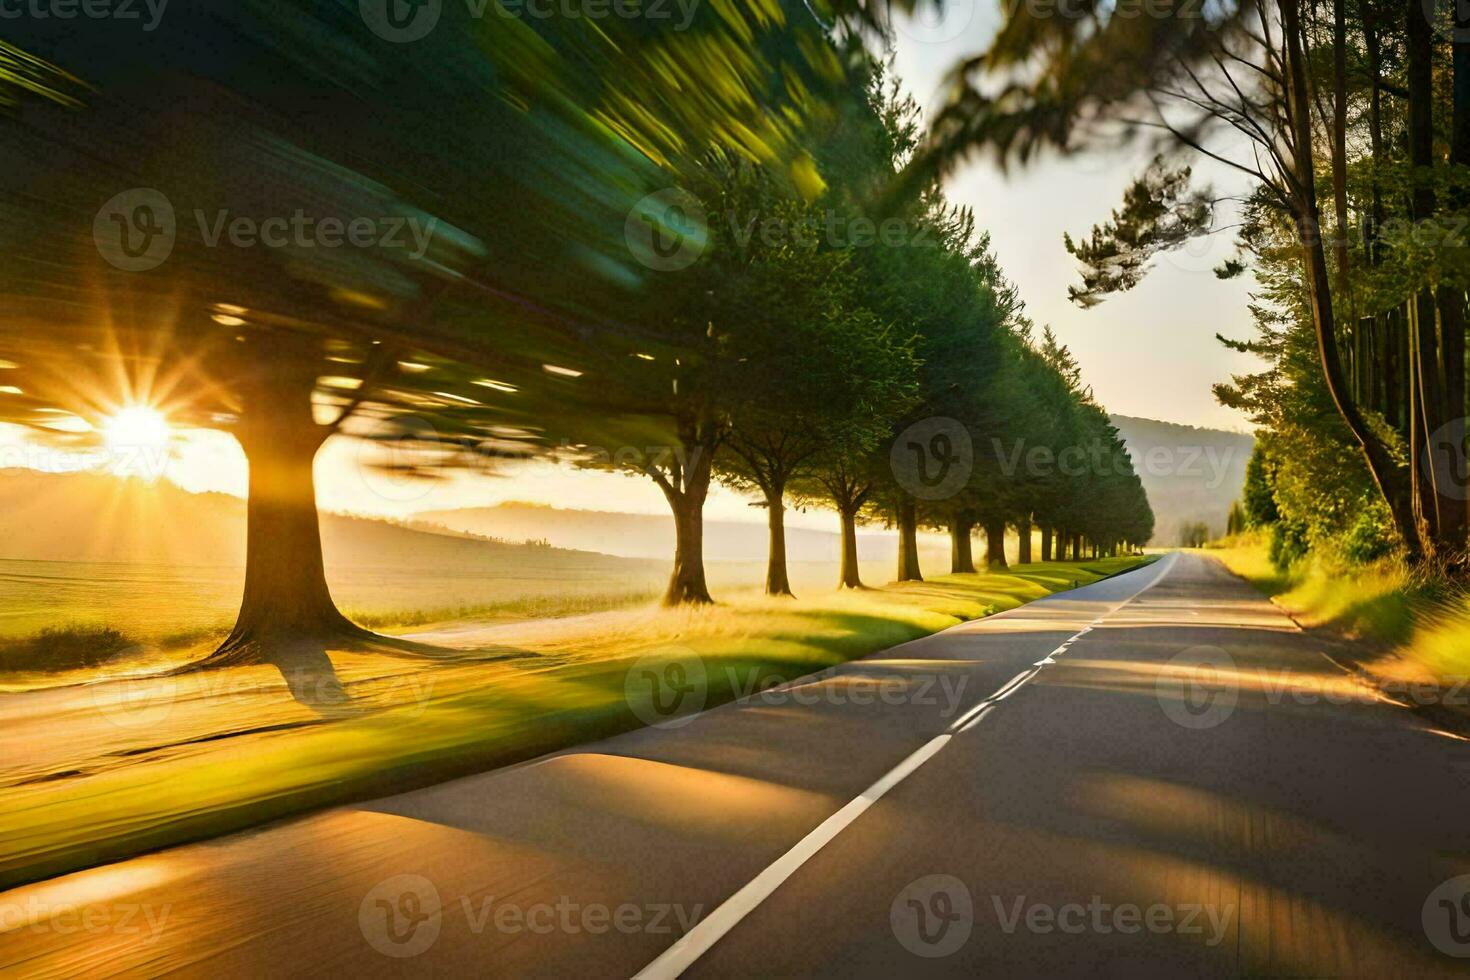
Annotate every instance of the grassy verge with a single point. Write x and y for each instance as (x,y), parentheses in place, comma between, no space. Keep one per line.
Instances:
(1418,622)
(178,778)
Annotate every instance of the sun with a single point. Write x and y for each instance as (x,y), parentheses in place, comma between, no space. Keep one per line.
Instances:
(137,427)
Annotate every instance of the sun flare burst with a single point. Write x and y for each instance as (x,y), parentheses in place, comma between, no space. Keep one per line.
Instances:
(137,428)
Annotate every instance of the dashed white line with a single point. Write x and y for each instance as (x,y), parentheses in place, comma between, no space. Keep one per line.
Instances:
(710,930)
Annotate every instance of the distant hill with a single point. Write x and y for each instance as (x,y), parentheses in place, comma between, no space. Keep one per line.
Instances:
(1190,474)
(100,518)
(647,535)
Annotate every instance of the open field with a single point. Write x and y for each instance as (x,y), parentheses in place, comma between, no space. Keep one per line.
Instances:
(154,602)
(189,757)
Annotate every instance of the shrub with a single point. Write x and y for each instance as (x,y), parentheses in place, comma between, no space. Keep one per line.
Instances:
(63,648)
(1288,543)
(1369,539)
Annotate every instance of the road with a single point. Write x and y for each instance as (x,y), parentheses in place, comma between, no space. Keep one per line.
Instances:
(1156,775)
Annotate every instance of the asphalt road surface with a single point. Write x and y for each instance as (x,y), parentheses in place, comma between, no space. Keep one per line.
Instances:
(1156,775)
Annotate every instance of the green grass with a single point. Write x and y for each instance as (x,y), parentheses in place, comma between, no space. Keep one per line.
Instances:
(1420,619)
(563,685)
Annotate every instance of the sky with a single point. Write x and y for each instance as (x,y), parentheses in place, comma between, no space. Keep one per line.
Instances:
(1150,352)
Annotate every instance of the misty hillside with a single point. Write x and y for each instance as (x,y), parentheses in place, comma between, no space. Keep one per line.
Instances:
(98,518)
(648,535)
(1190,474)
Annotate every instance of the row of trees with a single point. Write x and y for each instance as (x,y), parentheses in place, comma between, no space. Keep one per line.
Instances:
(560,171)
(1352,119)
(1395,156)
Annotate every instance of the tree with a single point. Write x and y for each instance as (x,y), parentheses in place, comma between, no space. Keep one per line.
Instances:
(521,150)
(1265,74)
(814,365)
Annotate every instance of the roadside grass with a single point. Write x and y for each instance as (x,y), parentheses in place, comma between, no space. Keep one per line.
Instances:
(42,659)
(522,607)
(1419,620)
(239,752)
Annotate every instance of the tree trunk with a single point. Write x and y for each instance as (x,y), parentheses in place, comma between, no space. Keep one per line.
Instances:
(1425,399)
(1339,150)
(686,494)
(1076,547)
(961,557)
(287,616)
(776,581)
(1023,528)
(1452,299)
(849,577)
(1440,380)
(908,541)
(1308,223)
(686,583)
(1045,543)
(995,543)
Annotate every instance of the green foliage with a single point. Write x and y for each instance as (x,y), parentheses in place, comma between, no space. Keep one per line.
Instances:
(63,648)
(1260,504)
(1160,212)
(1194,535)
(1235,521)
(1371,536)
(1289,543)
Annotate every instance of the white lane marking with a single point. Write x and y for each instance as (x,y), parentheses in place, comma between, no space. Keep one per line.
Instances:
(710,930)
(976,720)
(680,956)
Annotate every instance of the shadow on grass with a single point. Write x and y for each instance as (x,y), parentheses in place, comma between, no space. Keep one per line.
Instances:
(508,706)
